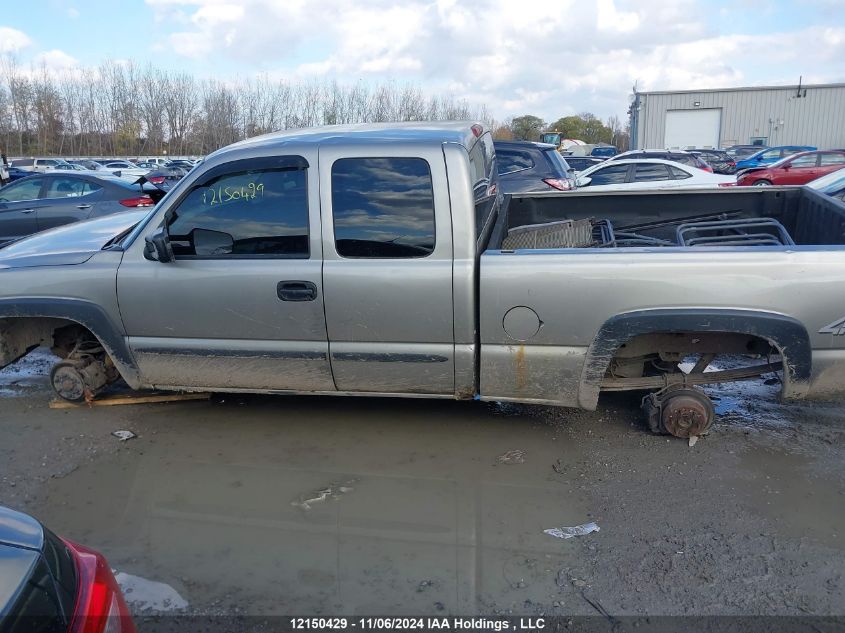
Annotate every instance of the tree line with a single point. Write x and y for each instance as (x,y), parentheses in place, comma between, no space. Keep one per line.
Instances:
(586,127)
(120,109)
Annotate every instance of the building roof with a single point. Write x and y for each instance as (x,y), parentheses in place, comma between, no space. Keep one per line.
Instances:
(742,89)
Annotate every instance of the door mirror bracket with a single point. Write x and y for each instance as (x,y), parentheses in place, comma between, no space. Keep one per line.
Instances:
(158,248)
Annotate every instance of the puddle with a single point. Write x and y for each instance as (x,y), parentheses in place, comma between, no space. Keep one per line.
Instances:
(751,403)
(371,518)
(29,373)
(147,595)
(784,487)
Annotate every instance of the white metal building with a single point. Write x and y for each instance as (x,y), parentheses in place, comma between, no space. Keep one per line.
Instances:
(767,115)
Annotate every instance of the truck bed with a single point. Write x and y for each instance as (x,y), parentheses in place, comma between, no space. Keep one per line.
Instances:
(548,312)
(786,217)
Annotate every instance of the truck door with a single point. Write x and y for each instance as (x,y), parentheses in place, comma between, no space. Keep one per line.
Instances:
(241,307)
(387,269)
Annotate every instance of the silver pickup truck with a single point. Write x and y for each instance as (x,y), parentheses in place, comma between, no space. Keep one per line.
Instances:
(383,260)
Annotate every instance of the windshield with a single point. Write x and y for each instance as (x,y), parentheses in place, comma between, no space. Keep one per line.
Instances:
(781,162)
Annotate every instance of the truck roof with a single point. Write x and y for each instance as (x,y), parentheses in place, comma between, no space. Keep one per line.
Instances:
(367,133)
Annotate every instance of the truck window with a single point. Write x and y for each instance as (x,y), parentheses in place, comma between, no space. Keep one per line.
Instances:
(383,207)
(251,213)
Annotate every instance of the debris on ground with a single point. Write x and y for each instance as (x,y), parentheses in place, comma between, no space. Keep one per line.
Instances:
(598,606)
(124,435)
(514,456)
(333,491)
(143,594)
(692,440)
(569,532)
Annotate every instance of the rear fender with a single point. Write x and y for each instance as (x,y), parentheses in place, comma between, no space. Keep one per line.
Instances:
(786,334)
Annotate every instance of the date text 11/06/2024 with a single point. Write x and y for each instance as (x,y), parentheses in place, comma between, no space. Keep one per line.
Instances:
(419,624)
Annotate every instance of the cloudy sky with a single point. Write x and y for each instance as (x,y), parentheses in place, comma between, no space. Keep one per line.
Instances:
(549,58)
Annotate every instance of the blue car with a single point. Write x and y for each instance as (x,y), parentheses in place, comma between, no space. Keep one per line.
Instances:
(16,172)
(771,155)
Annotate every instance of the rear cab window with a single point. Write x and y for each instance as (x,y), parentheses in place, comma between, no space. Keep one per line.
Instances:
(383,207)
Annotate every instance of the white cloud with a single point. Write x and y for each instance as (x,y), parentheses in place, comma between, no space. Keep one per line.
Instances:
(531,56)
(12,40)
(55,61)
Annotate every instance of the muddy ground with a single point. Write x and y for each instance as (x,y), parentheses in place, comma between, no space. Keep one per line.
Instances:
(320,505)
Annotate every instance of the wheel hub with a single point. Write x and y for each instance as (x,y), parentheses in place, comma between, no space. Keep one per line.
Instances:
(68,382)
(687,413)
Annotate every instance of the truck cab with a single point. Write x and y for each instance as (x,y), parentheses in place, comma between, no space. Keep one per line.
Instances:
(321,262)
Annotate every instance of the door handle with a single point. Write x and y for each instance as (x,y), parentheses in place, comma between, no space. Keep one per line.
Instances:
(28,211)
(296,291)
(83,206)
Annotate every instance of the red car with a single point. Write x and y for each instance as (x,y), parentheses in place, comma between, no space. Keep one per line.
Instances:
(798,169)
(50,585)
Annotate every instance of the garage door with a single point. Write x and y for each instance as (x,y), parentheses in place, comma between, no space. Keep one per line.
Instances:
(692,128)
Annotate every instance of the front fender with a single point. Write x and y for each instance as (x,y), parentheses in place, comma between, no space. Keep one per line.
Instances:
(87,314)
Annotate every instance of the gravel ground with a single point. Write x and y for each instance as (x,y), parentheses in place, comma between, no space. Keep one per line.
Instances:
(279,505)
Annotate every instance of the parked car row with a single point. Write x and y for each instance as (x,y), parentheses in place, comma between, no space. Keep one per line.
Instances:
(42,201)
(531,167)
(65,192)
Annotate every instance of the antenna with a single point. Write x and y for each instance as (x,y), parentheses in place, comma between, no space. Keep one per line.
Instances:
(800,78)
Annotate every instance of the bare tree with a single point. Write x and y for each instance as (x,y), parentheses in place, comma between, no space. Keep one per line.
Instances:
(119,109)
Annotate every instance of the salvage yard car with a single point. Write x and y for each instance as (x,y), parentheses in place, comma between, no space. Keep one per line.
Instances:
(52,585)
(651,173)
(525,166)
(798,169)
(384,260)
(45,201)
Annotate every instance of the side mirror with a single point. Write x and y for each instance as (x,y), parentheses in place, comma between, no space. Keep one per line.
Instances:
(787,167)
(583,181)
(158,247)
